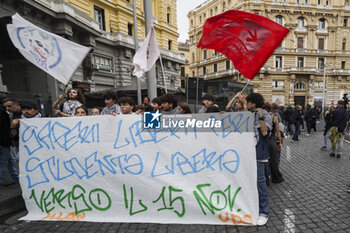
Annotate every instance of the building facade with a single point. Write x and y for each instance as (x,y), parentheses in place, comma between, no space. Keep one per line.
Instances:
(184,48)
(107,27)
(317,48)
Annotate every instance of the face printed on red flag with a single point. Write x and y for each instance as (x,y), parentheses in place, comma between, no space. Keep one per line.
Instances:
(246,39)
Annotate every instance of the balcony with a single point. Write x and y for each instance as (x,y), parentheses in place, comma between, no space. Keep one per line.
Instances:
(301,29)
(301,69)
(347,8)
(340,71)
(322,51)
(280,49)
(301,50)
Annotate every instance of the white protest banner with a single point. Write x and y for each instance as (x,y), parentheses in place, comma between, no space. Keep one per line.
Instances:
(55,55)
(109,169)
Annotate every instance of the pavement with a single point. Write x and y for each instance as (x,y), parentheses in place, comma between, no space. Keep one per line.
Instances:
(313,198)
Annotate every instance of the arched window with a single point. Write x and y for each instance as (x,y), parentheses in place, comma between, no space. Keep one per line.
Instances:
(322,24)
(200,19)
(216,10)
(204,16)
(278,19)
(211,12)
(300,86)
(301,22)
(223,6)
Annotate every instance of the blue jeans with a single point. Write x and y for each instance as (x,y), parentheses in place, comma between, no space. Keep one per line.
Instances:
(262,190)
(325,139)
(297,130)
(9,162)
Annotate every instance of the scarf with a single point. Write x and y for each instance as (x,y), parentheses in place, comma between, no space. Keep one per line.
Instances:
(114,108)
(70,105)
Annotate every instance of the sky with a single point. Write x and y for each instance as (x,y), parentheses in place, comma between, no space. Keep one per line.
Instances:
(183,7)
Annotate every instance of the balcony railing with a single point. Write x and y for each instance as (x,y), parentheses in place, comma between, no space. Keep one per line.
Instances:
(301,69)
(301,50)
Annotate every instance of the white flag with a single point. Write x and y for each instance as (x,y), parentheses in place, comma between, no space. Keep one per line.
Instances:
(53,54)
(146,55)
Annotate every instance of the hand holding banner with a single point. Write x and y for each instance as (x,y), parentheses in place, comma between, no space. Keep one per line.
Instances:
(246,39)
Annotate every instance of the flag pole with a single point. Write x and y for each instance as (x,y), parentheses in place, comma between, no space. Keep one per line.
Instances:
(245,87)
(138,83)
(151,74)
(161,64)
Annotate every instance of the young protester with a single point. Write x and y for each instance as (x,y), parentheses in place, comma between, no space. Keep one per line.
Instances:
(207,100)
(262,129)
(169,104)
(184,108)
(112,108)
(96,111)
(156,104)
(74,99)
(139,109)
(240,105)
(213,108)
(127,104)
(81,111)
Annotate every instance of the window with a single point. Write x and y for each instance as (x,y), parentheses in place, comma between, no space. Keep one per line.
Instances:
(306,2)
(183,83)
(129,29)
(99,16)
(300,22)
(343,46)
(318,85)
(345,23)
(279,19)
(297,2)
(277,84)
(299,86)
(168,14)
(321,43)
(343,65)
(228,64)
(327,2)
(319,2)
(102,63)
(182,71)
(215,68)
(211,12)
(346,2)
(216,53)
(204,70)
(169,44)
(300,62)
(223,6)
(204,16)
(192,57)
(193,74)
(204,54)
(322,24)
(200,19)
(321,63)
(278,62)
(191,23)
(300,42)
(216,9)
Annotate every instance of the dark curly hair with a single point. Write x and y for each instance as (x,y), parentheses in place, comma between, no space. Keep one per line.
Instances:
(109,94)
(257,99)
(169,98)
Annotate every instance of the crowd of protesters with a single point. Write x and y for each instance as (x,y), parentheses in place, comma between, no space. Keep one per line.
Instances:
(271,125)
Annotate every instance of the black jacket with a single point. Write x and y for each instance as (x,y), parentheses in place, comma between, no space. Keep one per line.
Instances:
(340,118)
(5,139)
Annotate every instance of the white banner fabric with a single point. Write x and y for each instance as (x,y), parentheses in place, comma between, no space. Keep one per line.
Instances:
(53,54)
(104,169)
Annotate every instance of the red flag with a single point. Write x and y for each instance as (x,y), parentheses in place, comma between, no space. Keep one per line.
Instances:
(246,39)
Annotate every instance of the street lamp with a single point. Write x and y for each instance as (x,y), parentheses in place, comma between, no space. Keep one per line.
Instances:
(324,86)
